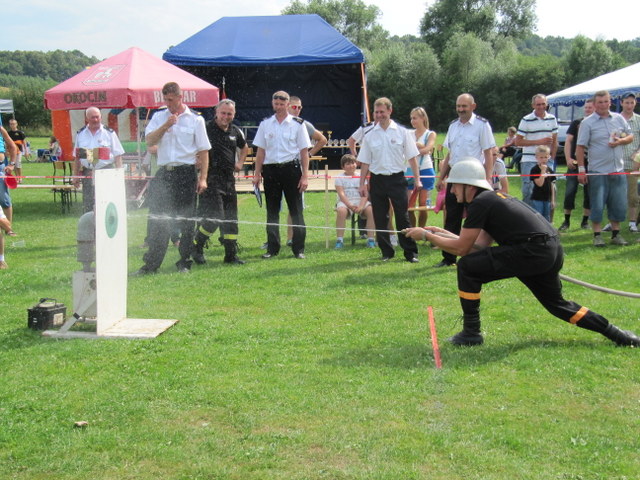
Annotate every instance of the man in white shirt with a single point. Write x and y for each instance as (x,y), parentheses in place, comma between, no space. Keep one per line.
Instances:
(109,151)
(282,160)
(384,153)
(470,136)
(183,161)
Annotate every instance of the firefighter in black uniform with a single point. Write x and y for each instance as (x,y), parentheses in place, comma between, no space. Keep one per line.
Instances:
(219,201)
(528,249)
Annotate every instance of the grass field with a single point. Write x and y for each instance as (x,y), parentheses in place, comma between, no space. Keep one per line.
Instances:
(315,369)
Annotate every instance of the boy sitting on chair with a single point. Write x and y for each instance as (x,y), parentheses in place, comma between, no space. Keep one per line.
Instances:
(350,202)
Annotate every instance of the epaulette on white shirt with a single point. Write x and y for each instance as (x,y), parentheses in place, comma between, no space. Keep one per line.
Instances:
(299,120)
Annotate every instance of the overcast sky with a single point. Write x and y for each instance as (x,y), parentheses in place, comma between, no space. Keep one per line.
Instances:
(106,28)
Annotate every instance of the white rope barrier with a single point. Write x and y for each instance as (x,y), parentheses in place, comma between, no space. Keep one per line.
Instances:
(347,228)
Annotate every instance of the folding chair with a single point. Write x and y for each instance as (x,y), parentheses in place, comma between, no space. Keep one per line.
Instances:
(60,178)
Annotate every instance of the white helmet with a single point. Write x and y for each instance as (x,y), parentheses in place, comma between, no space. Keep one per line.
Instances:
(469,171)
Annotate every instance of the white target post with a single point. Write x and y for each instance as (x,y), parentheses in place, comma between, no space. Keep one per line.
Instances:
(111,267)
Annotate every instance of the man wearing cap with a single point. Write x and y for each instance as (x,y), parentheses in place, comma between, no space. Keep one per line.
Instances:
(282,161)
(96,147)
(630,149)
(604,133)
(528,248)
(183,161)
(470,136)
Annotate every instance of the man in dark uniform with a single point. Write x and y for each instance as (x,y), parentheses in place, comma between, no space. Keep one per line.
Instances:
(528,249)
(220,201)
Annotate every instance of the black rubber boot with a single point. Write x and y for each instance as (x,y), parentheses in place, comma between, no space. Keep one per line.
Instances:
(470,335)
(183,265)
(199,242)
(231,252)
(622,338)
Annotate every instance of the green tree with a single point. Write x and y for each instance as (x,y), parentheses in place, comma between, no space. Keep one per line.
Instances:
(588,59)
(505,94)
(534,45)
(484,18)
(27,94)
(408,73)
(352,18)
(467,60)
(628,50)
(57,65)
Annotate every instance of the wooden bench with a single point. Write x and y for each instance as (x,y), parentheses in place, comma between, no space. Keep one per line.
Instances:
(65,192)
(249,165)
(314,163)
(249,162)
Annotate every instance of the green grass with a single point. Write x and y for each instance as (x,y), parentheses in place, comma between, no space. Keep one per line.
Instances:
(315,369)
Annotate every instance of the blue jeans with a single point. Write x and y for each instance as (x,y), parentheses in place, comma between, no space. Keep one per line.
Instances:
(527,183)
(609,190)
(571,190)
(543,207)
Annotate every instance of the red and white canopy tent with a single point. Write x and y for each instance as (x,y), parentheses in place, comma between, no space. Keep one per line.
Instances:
(128,80)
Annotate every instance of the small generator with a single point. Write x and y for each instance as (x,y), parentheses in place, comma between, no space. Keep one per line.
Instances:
(45,314)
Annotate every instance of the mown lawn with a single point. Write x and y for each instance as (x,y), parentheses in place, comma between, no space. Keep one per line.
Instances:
(314,369)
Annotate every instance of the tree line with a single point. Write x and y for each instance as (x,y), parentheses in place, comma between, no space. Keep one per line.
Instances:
(26,75)
(485,47)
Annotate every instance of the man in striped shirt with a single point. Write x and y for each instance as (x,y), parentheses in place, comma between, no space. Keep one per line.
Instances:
(537,128)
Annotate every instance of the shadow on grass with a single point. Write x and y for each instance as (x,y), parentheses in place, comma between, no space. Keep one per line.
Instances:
(412,355)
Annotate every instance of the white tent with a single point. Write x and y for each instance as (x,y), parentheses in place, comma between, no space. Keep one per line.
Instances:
(567,104)
(6,106)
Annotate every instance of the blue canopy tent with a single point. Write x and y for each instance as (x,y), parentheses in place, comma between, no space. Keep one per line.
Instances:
(249,58)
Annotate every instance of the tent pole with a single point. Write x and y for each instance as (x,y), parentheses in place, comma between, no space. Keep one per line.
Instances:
(138,141)
(365,94)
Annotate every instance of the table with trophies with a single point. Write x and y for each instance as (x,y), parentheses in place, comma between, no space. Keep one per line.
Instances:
(332,152)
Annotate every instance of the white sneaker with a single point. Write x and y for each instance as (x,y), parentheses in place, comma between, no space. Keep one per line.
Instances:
(633,228)
(606,228)
(394,240)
